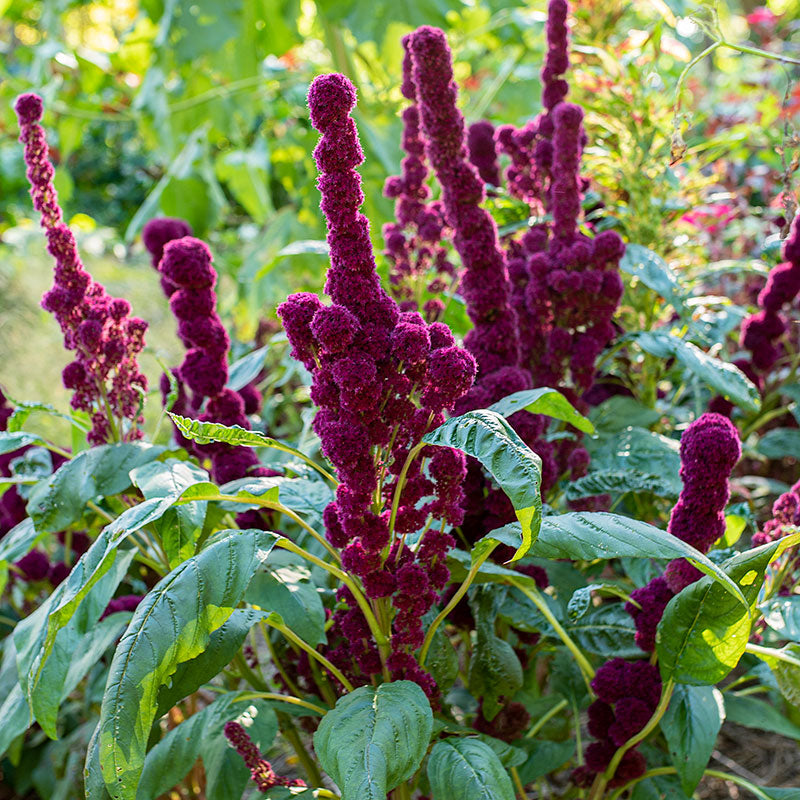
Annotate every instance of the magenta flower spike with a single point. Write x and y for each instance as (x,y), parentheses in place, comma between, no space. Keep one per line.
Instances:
(104,376)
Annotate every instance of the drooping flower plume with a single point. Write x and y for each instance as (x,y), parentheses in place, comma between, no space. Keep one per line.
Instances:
(382,378)
(104,376)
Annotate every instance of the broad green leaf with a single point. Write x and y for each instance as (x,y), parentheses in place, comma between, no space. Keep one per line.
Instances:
(222,646)
(246,369)
(517,609)
(754,713)
(721,376)
(172,624)
(655,273)
(485,435)
(704,630)
(544,757)
(494,668)
(301,495)
(782,614)
(467,769)
(780,443)
(606,631)
(545,401)
(586,536)
(16,544)
(14,710)
(374,739)
(100,472)
(642,453)
(179,527)
(77,647)
(442,660)
(785,666)
(690,725)
(620,412)
(287,590)
(246,174)
(617,482)
(14,440)
(34,636)
(207,432)
(509,755)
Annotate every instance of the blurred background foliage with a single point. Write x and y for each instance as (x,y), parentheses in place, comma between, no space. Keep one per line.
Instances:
(196,108)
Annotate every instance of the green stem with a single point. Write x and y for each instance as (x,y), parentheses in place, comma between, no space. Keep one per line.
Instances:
(276,662)
(380,638)
(454,601)
(293,637)
(310,767)
(542,721)
(687,69)
(743,782)
(281,509)
(757,51)
(518,783)
(281,698)
(534,596)
(652,773)
(401,482)
(771,652)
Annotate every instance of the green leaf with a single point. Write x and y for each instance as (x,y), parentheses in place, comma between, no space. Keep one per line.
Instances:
(544,757)
(509,755)
(643,453)
(606,631)
(287,590)
(494,668)
(11,441)
(621,412)
(785,666)
(704,631)
(207,432)
(100,472)
(17,543)
(753,713)
(76,648)
(246,369)
(374,739)
(246,174)
(782,614)
(721,376)
(224,643)
(780,443)
(545,401)
(586,536)
(485,435)
(178,528)
(172,624)
(690,725)
(654,273)
(467,769)
(617,482)
(14,709)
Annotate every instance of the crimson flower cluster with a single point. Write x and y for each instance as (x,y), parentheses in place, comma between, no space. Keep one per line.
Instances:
(104,376)
(417,257)
(627,695)
(494,339)
(261,771)
(382,378)
(709,451)
(785,512)
(189,279)
(761,332)
(483,151)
